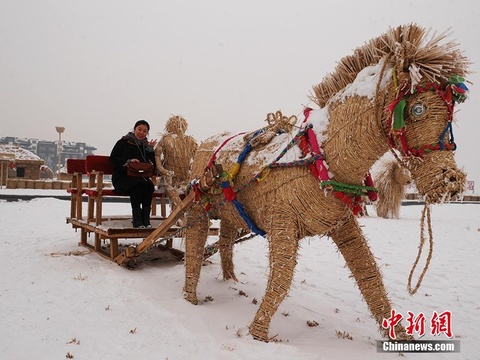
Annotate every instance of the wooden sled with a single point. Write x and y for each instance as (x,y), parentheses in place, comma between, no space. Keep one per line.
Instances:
(108,230)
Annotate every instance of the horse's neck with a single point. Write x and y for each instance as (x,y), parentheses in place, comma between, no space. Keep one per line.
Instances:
(354,139)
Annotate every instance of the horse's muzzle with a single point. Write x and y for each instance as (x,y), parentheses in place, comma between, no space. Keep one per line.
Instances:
(437,177)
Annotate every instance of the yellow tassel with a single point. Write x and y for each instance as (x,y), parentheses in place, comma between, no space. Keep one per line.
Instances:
(235,170)
(265,171)
(394,75)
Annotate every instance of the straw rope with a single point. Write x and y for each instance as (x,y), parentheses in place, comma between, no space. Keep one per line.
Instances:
(70,253)
(377,103)
(425,213)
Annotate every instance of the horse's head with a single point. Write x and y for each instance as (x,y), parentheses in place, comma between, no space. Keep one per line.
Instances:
(421,128)
(420,82)
(401,175)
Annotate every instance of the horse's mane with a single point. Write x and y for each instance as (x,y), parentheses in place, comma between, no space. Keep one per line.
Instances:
(406,47)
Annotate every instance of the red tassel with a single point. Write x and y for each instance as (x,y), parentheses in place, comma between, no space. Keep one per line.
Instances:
(306,113)
(229,194)
(372,195)
(305,150)
(304,145)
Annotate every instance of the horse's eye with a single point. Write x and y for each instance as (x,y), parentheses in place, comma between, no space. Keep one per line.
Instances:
(418,109)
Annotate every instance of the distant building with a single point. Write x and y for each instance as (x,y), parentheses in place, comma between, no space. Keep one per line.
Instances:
(48,150)
(16,162)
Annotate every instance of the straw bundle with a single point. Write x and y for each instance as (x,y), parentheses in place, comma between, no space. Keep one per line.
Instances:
(13,184)
(57,184)
(390,184)
(39,184)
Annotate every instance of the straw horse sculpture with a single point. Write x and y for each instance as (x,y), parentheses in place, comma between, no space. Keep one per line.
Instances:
(288,181)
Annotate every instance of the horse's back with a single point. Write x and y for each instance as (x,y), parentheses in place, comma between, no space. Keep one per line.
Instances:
(266,191)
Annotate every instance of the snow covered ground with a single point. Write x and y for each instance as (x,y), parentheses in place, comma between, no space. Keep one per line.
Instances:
(58,301)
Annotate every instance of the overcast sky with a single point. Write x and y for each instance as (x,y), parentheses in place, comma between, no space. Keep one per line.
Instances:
(97,66)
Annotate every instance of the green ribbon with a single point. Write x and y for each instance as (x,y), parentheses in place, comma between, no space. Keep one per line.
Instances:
(398,116)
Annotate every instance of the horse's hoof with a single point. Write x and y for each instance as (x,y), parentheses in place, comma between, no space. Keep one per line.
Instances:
(191,298)
(258,334)
(400,334)
(228,277)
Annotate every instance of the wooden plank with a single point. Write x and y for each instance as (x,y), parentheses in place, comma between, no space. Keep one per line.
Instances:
(113,248)
(98,242)
(83,236)
(73,198)
(78,196)
(91,200)
(160,231)
(168,223)
(121,231)
(99,199)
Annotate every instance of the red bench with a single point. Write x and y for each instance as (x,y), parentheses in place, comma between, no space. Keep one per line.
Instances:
(96,167)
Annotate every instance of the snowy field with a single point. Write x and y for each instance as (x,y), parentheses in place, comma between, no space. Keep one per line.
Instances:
(58,301)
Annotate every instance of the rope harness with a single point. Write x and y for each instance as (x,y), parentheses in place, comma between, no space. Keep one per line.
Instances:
(224,180)
(350,195)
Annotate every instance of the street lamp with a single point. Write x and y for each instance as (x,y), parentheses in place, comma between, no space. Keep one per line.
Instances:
(60,130)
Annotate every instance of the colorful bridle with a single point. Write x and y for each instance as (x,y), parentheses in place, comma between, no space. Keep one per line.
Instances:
(455,91)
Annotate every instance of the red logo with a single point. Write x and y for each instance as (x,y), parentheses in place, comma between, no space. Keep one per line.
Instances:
(439,323)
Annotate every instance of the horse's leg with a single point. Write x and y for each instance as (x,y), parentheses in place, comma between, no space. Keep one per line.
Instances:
(356,252)
(228,234)
(283,247)
(195,239)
